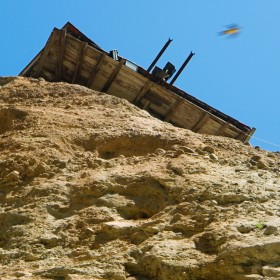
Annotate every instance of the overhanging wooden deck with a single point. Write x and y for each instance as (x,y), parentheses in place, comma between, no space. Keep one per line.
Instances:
(71,57)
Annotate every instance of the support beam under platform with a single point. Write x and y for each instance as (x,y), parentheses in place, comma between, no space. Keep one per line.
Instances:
(143,92)
(60,56)
(201,122)
(45,53)
(113,75)
(80,59)
(95,70)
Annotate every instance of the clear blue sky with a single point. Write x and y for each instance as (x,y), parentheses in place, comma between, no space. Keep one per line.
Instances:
(238,76)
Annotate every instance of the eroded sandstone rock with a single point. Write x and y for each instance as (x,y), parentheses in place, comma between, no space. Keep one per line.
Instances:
(92,187)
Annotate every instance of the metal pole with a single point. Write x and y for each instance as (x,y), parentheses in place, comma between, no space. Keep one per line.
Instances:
(160,54)
(182,68)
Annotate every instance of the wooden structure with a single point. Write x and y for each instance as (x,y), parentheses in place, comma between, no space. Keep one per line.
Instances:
(70,56)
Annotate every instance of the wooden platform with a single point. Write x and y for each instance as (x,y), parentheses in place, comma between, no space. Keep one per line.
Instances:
(70,56)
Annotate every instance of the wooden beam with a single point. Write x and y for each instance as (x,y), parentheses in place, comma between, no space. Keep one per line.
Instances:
(173,109)
(223,128)
(249,135)
(95,70)
(241,136)
(245,137)
(201,122)
(153,98)
(60,56)
(45,53)
(143,92)
(146,104)
(113,75)
(79,61)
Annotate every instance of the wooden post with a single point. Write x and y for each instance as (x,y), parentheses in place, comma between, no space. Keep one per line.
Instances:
(96,70)
(223,128)
(146,105)
(79,61)
(113,75)
(60,56)
(252,131)
(143,92)
(173,110)
(201,122)
(45,53)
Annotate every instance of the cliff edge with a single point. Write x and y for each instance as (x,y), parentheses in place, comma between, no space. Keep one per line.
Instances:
(92,187)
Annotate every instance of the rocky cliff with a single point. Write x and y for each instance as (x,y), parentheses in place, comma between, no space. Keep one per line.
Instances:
(91,187)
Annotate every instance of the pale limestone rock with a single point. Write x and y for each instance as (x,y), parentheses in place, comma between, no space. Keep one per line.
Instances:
(12,177)
(271,271)
(200,151)
(179,152)
(49,240)
(271,230)
(245,227)
(30,172)
(187,150)
(209,149)
(262,165)
(255,158)
(213,157)
(160,151)
(104,191)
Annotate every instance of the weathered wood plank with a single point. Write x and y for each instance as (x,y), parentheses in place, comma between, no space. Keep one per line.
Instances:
(241,136)
(45,53)
(79,61)
(113,75)
(143,92)
(146,104)
(96,69)
(245,137)
(201,122)
(173,109)
(60,51)
(223,128)
(249,135)
(130,80)
(211,126)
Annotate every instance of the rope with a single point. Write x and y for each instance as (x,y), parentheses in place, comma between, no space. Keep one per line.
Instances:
(268,142)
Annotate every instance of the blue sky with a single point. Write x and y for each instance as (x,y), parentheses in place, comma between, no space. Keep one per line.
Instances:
(238,76)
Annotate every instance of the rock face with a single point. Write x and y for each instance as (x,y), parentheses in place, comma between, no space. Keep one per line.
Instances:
(91,187)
